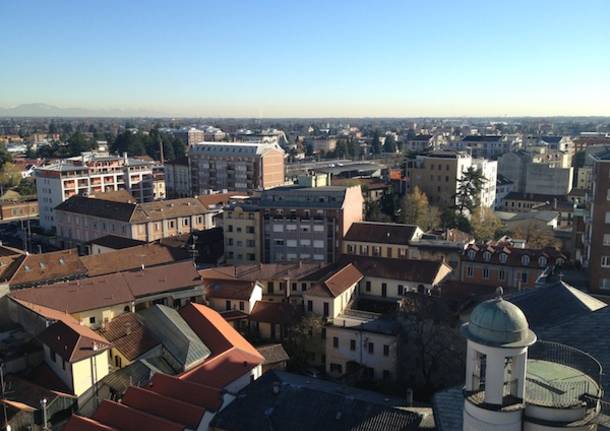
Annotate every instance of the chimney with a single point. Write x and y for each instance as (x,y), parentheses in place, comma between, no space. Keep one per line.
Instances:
(127,328)
(555,203)
(142,267)
(125,159)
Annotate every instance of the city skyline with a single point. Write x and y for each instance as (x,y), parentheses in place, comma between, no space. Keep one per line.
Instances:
(272,59)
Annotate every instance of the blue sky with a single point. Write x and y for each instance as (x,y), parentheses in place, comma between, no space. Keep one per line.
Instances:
(274,58)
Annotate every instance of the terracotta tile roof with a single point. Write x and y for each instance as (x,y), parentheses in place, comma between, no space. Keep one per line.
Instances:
(381,233)
(73,342)
(45,312)
(80,295)
(262,271)
(419,271)
(171,208)
(116,242)
(81,423)
(114,196)
(164,278)
(217,199)
(27,393)
(274,312)
(125,418)
(48,267)
(145,400)
(230,289)
(233,355)
(129,336)
(132,258)
(342,280)
(193,393)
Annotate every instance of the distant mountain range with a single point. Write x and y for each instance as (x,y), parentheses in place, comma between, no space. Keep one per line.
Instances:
(45,110)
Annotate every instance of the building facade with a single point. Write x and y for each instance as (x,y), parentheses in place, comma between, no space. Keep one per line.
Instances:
(597,237)
(235,166)
(241,223)
(91,174)
(301,223)
(178,178)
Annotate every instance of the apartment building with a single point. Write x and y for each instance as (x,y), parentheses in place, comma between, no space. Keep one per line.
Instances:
(437,174)
(235,166)
(302,223)
(486,146)
(79,220)
(241,223)
(178,178)
(90,174)
(597,237)
(190,135)
(380,239)
(506,265)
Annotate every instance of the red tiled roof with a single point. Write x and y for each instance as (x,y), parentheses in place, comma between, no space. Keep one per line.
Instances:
(274,312)
(80,423)
(48,267)
(217,199)
(145,400)
(45,312)
(72,341)
(193,393)
(337,282)
(129,336)
(125,418)
(165,278)
(230,289)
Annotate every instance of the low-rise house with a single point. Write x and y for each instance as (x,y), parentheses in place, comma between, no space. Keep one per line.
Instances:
(333,291)
(225,295)
(508,266)
(275,356)
(80,220)
(108,243)
(380,239)
(77,355)
(273,320)
(96,301)
(18,210)
(362,345)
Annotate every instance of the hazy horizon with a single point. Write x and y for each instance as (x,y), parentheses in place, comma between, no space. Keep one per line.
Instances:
(278,59)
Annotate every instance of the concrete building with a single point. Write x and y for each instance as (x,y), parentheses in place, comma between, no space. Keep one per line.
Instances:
(301,223)
(178,178)
(241,223)
(80,220)
(597,239)
(503,187)
(437,175)
(190,135)
(486,146)
(380,239)
(88,175)
(235,166)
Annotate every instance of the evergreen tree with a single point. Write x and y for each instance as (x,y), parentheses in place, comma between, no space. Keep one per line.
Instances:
(468,195)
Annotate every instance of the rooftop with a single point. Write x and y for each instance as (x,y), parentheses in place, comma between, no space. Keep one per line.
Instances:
(382,233)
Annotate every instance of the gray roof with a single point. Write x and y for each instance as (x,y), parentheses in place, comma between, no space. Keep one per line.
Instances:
(306,197)
(175,335)
(448,408)
(304,404)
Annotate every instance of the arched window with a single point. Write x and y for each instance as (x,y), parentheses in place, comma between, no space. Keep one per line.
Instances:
(525,260)
(542,261)
(503,258)
(487,256)
(471,254)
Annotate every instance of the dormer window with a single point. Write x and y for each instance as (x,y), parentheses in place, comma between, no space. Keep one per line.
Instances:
(559,261)
(471,254)
(542,261)
(525,260)
(503,258)
(487,256)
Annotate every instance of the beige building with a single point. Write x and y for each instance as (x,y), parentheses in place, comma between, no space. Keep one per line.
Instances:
(437,175)
(178,178)
(80,220)
(380,239)
(241,223)
(235,166)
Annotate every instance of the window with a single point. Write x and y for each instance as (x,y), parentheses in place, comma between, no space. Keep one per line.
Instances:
(310,306)
(227,305)
(401,289)
(387,375)
(229,226)
(92,320)
(384,290)
(278,228)
(486,273)
(542,261)
(607,239)
(605,261)
(525,260)
(524,277)
(336,368)
(317,243)
(241,306)
(386,350)
(52,353)
(306,242)
(487,256)
(371,348)
(250,229)
(270,287)
(501,275)
(323,333)
(503,258)
(352,345)
(367,286)
(303,287)
(608,195)
(291,243)
(469,271)
(607,217)
(326,309)
(604,283)
(336,342)
(471,254)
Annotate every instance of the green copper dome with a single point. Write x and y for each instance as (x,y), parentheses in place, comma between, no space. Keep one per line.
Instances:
(498,323)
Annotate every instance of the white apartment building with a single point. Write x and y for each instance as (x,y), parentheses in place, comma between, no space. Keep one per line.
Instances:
(93,173)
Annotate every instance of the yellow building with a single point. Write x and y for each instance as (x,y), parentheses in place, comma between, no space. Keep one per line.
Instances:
(241,226)
(380,239)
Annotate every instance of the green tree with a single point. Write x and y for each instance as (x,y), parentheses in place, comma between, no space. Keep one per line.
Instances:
(5,156)
(468,194)
(78,143)
(26,187)
(451,219)
(376,143)
(389,146)
(415,209)
(536,234)
(485,224)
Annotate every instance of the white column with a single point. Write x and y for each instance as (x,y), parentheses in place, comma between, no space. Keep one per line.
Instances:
(520,372)
(494,377)
(471,366)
